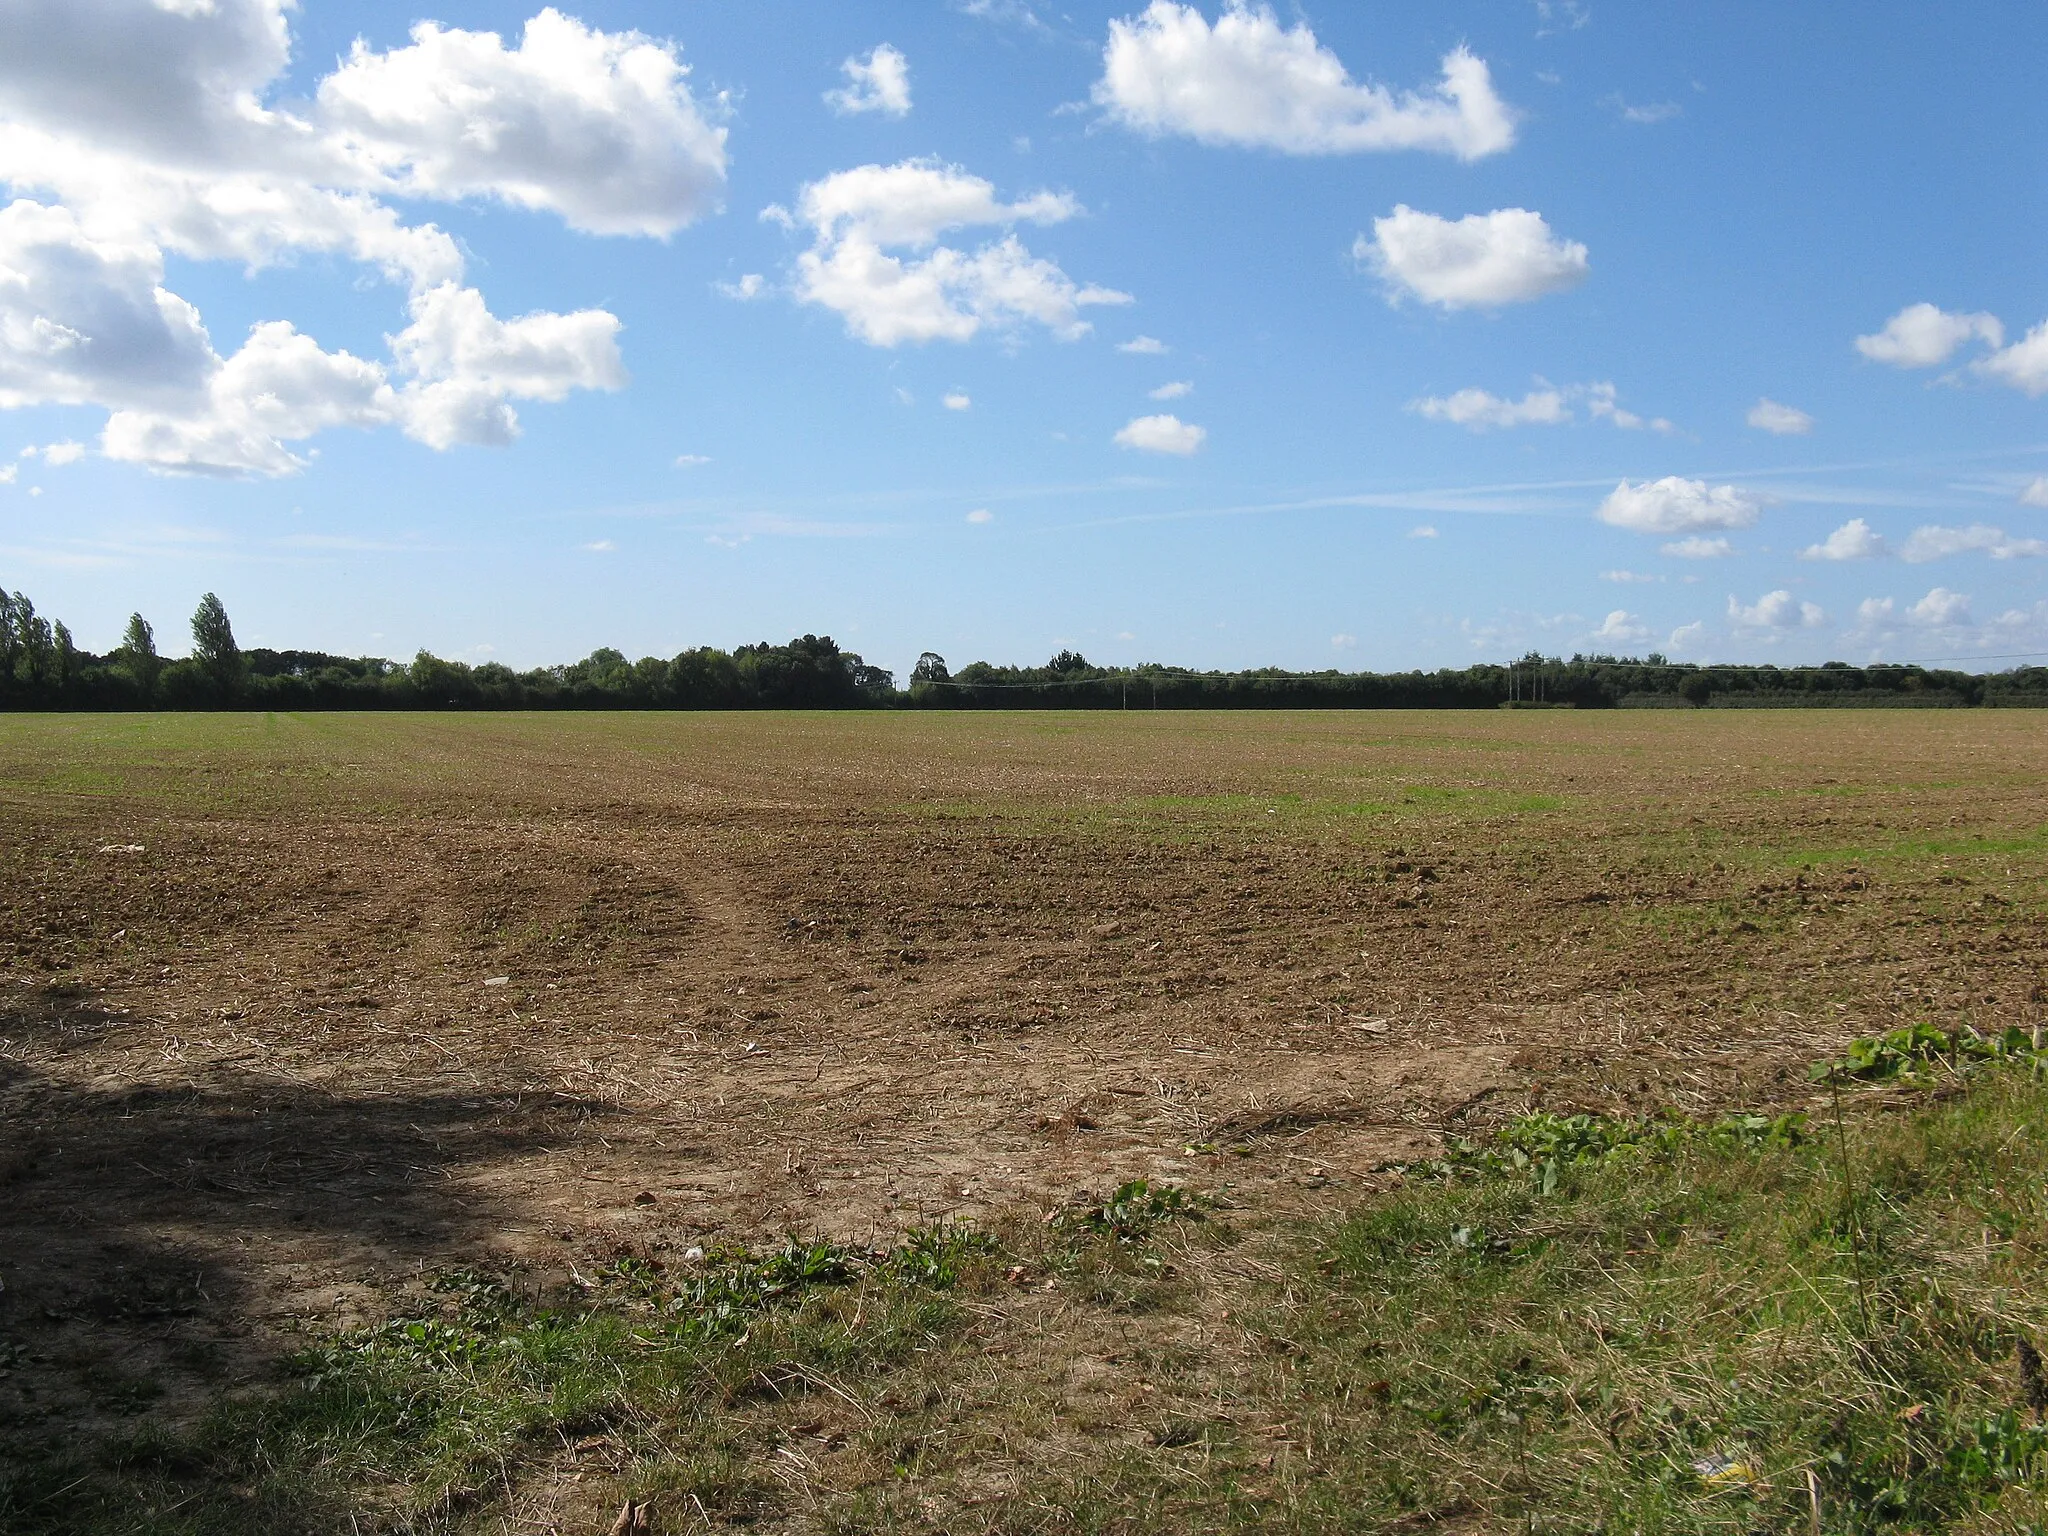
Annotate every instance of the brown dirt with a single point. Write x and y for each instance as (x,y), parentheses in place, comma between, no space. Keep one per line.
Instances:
(845,975)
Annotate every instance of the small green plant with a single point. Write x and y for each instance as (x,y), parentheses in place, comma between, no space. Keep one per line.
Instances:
(1541,1147)
(1130,1214)
(1917,1050)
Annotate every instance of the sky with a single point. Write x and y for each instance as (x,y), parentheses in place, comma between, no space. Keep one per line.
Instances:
(1358,336)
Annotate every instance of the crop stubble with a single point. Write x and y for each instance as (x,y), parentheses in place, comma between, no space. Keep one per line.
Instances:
(847,973)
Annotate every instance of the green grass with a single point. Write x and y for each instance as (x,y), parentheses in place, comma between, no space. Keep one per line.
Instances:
(1574,1324)
(1597,1326)
(424,1421)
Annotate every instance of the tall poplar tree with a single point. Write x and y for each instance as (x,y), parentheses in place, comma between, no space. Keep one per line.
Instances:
(213,645)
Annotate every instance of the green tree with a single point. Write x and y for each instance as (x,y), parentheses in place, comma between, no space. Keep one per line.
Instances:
(64,658)
(213,645)
(33,646)
(930,668)
(138,655)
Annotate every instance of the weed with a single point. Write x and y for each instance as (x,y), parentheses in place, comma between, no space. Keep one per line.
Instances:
(1918,1050)
(1130,1214)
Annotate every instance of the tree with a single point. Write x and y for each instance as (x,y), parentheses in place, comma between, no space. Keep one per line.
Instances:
(213,645)
(64,657)
(139,657)
(34,647)
(930,668)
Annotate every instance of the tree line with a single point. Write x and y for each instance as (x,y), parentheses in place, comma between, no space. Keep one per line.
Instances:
(42,668)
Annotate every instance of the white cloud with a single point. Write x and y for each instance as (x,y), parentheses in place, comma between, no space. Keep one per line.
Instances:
(1566,15)
(1602,405)
(57,455)
(1422,531)
(1776,611)
(1648,112)
(959,400)
(1874,612)
(1854,540)
(8,472)
(85,321)
(1248,82)
(1767,415)
(1144,346)
(1626,577)
(1687,637)
(1179,389)
(1939,609)
(600,547)
(981,515)
(1483,260)
(1161,434)
(878,83)
(1936,543)
(1547,405)
(148,129)
(1698,547)
(750,286)
(886,299)
(1622,628)
(463,365)
(2023,365)
(691,460)
(467,363)
(597,127)
(279,388)
(1344,642)
(1677,506)
(1478,410)
(1923,336)
(2036,493)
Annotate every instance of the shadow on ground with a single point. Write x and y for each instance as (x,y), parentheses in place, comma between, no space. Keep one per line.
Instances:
(161,1242)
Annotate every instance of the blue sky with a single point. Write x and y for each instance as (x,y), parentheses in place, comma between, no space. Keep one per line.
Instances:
(1403,335)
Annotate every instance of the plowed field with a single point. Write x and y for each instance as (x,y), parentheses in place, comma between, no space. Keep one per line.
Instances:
(297,1007)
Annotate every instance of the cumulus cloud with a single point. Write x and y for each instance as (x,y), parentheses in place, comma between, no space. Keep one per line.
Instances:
(1483,260)
(1161,434)
(1677,506)
(1854,540)
(598,127)
(2036,493)
(750,286)
(1603,405)
(1698,547)
(463,366)
(1687,637)
(1940,609)
(878,83)
(1777,610)
(1924,336)
(1622,628)
(147,130)
(1177,390)
(861,218)
(981,515)
(959,400)
(1767,415)
(1546,405)
(57,455)
(1144,346)
(2023,365)
(1248,82)
(1479,410)
(1422,531)
(1936,543)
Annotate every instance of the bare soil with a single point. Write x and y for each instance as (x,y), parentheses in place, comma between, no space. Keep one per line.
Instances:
(292,1010)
